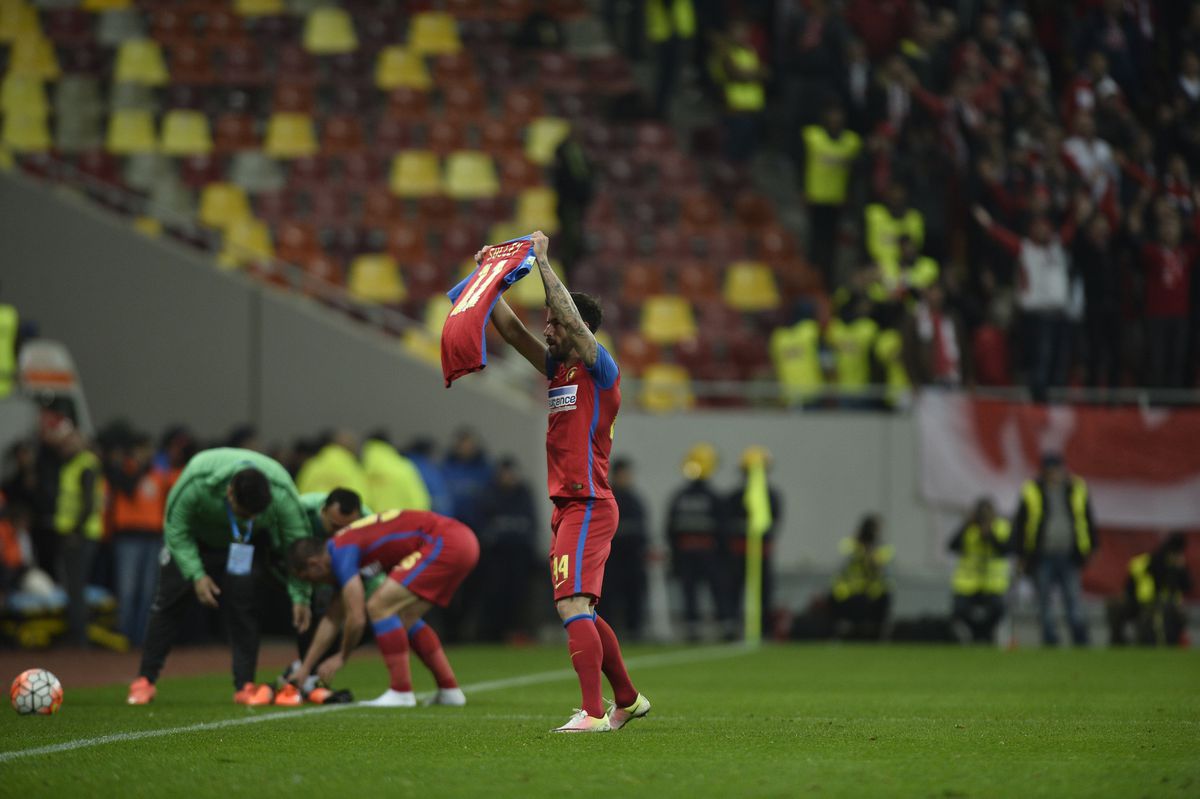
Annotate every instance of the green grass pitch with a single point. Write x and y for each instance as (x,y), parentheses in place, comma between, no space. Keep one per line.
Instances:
(780,721)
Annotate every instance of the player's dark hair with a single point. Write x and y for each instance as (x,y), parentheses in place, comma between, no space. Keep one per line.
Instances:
(1176,543)
(589,310)
(251,491)
(347,501)
(300,551)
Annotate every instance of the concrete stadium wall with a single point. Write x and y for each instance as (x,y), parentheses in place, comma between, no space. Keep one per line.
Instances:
(161,336)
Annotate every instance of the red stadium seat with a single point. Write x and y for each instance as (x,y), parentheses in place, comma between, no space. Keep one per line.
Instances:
(170,27)
(297,243)
(635,353)
(392,134)
(699,212)
(641,279)
(363,169)
(455,69)
(698,282)
(198,171)
(517,174)
(68,26)
(243,65)
(753,210)
(463,103)
(233,132)
(444,137)
(276,207)
(380,208)
(406,243)
(295,65)
(773,242)
(342,134)
(423,280)
(223,27)
(407,103)
(308,174)
(522,105)
(293,98)
(191,64)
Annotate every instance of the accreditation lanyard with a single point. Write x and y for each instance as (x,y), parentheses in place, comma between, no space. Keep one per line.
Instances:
(241,552)
(238,536)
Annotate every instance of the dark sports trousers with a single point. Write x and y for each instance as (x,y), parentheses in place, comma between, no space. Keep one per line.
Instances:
(237,603)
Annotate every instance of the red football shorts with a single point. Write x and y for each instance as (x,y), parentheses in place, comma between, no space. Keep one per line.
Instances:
(583,533)
(436,570)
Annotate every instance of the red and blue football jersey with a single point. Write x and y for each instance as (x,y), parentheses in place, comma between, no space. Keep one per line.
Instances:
(583,410)
(377,544)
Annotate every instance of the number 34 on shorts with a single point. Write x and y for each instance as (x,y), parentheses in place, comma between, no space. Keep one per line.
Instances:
(560,569)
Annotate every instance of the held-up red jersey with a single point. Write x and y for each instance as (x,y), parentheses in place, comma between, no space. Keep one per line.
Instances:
(583,405)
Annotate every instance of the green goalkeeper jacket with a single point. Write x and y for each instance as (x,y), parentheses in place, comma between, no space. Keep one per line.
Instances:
(198,515)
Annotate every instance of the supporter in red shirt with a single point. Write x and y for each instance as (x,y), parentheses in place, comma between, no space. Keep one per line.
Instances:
(1167,270)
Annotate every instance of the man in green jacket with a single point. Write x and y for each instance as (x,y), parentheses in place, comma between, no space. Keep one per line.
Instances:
(227,504)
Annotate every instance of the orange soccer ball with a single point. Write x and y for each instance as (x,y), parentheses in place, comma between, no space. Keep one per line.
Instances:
(36,691)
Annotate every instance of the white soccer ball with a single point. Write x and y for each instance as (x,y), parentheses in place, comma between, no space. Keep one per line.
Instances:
(36,691)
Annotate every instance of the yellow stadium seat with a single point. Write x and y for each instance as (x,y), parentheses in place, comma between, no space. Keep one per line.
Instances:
(434,33)
(436,310)
(667,319)
(26,133)
(423,345)
(376,278)
(537,209)
(529,291)
(186,133)
(542,138)
(505,231)
(471,175)
(140,61)
(329,31)
(106,5)
(399,67)
(23,95)
(606,341)
(290,135)
(131,131)
(248,240)
(750,286)
(222,204)
(33,55)
(258,8)
(666,387)
(18,21)
(6,159)
(415,173)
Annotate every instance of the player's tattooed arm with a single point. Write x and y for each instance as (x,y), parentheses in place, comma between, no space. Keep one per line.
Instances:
(561,306)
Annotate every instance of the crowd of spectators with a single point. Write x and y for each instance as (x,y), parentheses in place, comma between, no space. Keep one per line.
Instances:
(1036,161)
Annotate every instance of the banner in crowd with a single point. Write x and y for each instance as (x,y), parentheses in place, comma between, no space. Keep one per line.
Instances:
(1141,464)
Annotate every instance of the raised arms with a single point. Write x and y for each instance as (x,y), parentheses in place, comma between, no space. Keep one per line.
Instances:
(562,307)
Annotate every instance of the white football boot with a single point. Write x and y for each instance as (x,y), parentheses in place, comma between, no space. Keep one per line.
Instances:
(451,697)
(618,717)
(582,722)
(392,698)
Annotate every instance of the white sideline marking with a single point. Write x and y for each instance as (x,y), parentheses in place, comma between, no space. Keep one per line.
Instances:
(645,662)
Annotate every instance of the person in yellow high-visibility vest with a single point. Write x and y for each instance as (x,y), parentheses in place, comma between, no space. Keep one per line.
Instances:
(1056,536)
(796,354)
(851,335)
(78,519)
(862,596)
(1154,594)
(982,575)
(830,151)
(910,274)
(335,466)
(9,325)
(888,221)
(669,24)
(742,76)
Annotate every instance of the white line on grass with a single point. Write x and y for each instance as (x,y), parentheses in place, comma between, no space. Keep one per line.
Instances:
(644,662)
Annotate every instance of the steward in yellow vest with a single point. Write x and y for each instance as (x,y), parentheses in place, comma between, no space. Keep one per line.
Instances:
(981,577)
(1154,596)
(78,518)
(796,354)
(334,466)
(9,324)
(861,595)
(830,150)
(1055,537)
(851,336)
(887,222)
